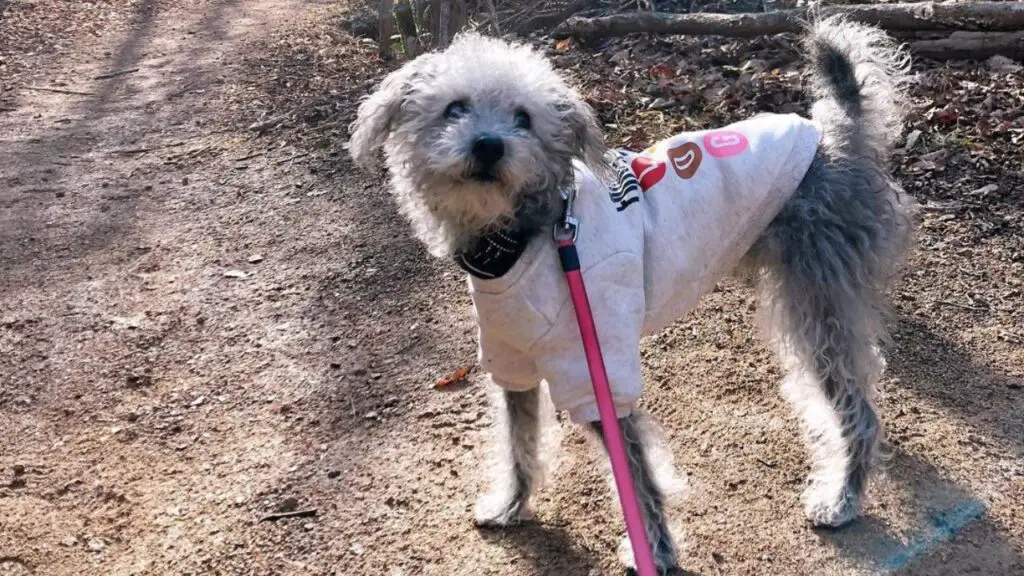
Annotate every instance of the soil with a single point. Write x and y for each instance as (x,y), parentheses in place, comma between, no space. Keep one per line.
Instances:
(210,317)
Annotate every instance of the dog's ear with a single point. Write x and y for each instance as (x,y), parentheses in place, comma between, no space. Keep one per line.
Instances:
(587,139)
(379,112)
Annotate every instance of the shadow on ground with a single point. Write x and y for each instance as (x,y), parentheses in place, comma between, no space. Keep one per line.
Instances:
(951,532)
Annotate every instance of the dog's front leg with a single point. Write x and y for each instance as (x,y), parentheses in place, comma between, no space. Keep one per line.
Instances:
(518,437)
(650,495)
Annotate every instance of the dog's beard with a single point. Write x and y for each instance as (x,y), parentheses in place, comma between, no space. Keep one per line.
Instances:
(452,202)
(471,207)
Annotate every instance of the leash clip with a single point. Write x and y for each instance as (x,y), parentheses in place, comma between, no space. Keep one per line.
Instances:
(568,226)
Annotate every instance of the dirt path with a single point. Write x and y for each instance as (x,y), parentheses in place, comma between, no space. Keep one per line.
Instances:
(201,327)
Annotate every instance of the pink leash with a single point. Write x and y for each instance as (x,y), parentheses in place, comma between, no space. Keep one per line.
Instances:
(565,236)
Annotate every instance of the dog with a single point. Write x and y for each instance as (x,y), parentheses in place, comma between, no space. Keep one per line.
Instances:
(484,140)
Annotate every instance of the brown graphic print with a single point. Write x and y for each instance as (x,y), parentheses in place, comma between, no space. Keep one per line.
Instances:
(685,159)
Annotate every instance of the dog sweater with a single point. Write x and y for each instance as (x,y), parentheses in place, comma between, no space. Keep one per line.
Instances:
(678,218)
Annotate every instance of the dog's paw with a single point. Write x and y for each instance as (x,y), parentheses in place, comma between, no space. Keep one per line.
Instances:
(830,508)
(664,560)
(501,512)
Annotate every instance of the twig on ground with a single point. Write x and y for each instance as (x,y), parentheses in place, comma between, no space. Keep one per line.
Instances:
(109,75)
(249,157)
(59,91)
(295,157)
(294,514)
(144,150)
(964,306)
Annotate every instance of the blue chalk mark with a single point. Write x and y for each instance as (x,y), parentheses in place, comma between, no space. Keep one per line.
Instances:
(943,527)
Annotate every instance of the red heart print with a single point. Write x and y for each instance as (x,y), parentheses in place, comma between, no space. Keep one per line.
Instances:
(648,171)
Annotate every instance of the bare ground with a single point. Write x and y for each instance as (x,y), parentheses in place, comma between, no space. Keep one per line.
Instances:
(203,324)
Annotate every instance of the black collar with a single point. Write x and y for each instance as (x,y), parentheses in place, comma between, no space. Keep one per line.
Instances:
(493,255)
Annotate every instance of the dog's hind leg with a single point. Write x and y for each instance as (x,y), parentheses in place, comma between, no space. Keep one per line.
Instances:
(833,396)
(519,438)
(648,492)
(824,264)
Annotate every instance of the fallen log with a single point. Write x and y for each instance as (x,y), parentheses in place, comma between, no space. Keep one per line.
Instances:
(971,46)
(964,16)
(542,21)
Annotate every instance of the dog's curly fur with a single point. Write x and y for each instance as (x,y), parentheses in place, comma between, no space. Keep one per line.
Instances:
(822,267)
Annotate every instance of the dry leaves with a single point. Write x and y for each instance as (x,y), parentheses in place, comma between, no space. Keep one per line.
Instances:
(455,377)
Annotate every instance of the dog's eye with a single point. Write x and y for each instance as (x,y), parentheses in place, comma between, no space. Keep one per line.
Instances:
(522,120)
(456,109)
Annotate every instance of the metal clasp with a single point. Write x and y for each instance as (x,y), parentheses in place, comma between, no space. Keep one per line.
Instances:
(567,227)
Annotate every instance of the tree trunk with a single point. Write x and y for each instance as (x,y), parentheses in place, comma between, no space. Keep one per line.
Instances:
(444,27)
(407,29)
(435,22)
(386,29)
(915,16)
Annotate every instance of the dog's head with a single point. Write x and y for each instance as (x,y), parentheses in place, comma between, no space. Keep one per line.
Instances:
(476,138)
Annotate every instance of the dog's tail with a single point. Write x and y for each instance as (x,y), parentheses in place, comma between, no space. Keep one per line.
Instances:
(858,75)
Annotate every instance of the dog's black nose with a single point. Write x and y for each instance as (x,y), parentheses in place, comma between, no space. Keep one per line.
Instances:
(488,149)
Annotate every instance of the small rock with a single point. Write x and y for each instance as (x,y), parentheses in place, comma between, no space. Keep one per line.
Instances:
(235,274)
(357,549)
(138,380)
(68,541)
(620,57)
(198,401)
(912,139)
(96,545)
(332,474)
(372,415)
(289,504)
(19,469)
(1003,65)
(255,258)
(308,526)
(130,322)
(754,65)
(660,104)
